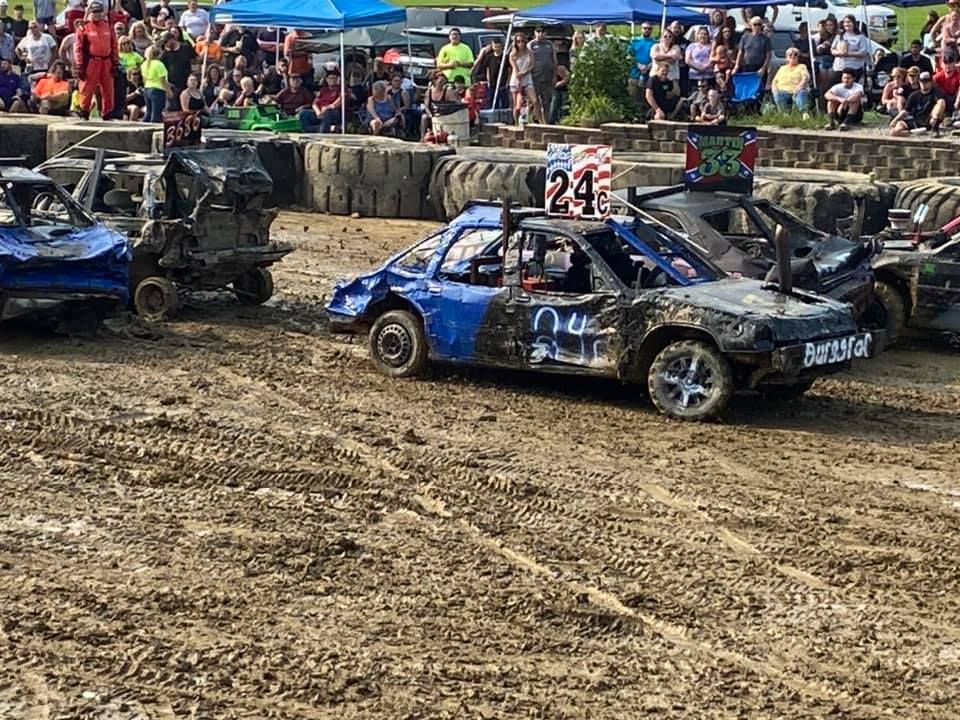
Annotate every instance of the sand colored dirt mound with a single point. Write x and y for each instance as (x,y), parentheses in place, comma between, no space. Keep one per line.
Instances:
(233,515)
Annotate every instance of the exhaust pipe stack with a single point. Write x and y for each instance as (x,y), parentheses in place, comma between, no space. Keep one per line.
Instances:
(781,240)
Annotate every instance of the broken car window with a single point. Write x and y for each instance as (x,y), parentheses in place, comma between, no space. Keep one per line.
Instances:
(470,245)
(418,258)
(40,204)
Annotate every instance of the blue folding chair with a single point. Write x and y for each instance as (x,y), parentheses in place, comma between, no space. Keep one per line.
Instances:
(747,91)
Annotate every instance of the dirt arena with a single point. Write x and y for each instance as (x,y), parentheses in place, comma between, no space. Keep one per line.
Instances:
(233,516)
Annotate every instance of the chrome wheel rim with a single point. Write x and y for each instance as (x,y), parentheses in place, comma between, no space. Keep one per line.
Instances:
(687,382)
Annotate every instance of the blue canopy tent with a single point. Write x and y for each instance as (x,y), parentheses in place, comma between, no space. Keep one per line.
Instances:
(310,15)
(610,11)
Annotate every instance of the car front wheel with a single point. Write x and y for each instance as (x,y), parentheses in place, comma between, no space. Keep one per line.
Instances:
(690,380)
(155,298)
(398,345)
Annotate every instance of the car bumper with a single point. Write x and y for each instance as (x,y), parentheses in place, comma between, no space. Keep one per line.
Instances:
(827,356)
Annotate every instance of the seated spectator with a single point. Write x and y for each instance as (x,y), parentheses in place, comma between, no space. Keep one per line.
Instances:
(845,102)
(212,84)
(663,95)
(11,96)
(221,102)
(439,94)
(233,81)
(913,82)
(947,81)
(294,98)
(892,98)
(271,83)
(384,116)
(712,112)
(135,102)
(191,99)
(139,37)
(8,46)
(158,15)
(924,110)
(248,93)
(699,97)
(358,91)
(916,58)
(791,84)
(51,94)
(379,72)
(326,110)
(129,58)
(211,46)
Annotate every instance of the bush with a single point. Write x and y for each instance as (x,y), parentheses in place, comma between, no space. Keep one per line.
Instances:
(598,85)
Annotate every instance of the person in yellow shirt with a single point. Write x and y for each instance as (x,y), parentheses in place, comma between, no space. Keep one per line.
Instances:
(455,58)
(156,87)
(791,84)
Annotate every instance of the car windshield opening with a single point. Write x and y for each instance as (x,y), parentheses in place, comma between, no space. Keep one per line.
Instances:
(28,204)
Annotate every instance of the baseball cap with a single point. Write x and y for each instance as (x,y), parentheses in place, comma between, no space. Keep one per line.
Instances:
(925,76)
(95,6)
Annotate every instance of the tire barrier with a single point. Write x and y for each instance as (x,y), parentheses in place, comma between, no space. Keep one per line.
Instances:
(942,195)
(821,197)
(374,177)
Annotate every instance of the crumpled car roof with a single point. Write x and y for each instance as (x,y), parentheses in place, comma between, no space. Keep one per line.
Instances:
(227,171)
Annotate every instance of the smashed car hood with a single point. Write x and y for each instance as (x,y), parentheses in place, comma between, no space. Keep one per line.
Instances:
(34,245)
(235,171)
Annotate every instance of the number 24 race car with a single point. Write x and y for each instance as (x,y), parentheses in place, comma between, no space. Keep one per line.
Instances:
(619,298)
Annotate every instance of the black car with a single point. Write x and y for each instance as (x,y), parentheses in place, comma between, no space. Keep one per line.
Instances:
(620,299)
(737,233)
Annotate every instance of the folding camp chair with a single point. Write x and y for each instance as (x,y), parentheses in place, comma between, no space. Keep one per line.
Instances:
(747,91)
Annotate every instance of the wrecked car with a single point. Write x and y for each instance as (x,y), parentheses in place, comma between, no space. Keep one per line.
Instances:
(918,280)
(196,219)
(619,298)
(55,259)
(736,231)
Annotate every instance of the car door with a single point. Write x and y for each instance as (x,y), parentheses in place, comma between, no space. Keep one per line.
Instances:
(938,289)
(559,325)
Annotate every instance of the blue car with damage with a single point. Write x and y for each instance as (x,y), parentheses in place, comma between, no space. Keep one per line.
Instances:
(56,260)
(621,298)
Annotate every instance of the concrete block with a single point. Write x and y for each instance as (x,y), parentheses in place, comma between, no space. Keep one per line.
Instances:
(113,135)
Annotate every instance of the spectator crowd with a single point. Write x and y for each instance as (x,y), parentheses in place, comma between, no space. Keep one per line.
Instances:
(136,60)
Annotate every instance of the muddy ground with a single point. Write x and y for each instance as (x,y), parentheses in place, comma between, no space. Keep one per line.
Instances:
(234,516)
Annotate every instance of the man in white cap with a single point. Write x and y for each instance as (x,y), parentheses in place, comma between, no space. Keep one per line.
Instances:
(95,59)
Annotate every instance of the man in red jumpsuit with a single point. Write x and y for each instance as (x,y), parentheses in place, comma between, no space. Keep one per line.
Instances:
(95,59)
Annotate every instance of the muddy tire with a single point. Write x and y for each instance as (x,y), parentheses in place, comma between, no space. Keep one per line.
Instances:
(398,345)
(887,310)
(690,380)
(785,393)
(254,287)
(942,195)
(155,298)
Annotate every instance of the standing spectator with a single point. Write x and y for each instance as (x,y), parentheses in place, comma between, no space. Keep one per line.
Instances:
(544,71)
(730,21)
(759,11)
(191,99)
(667,52)
(802,45)
(680,39)
(716,24)
(521,80)
(8,48)
(640,48)
(724,52)
(455,58)
(195,20)
(156,87)
(933,20)
(489,68)
(791,84)
(950,28)
(51,94)
(213,82)
(134,101)
(380,72)
(139,37)
(298,59)
(577,44)
(209,46)
(845,102)
(698,56)
(326,112)
(294,98)
(157,15)
(824,56)
(237,42)
(95,58)
(68,47)
(136,9)
(10,93)
(44,12)
(129,58)
(924,110)
(6,22)
(36,49)
(755,50)
(178,59)
(916,58)
(19,25)
(599,33)
(947,81)
(663,95)
(850,50)
(560,93)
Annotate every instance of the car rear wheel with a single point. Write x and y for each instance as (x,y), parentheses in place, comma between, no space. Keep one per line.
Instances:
(690,380)
(155,298)
(886,311)
(398,345)
(254,287)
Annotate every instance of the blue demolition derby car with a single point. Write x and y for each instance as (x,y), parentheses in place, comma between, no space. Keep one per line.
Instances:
(620,298)
(56,260)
